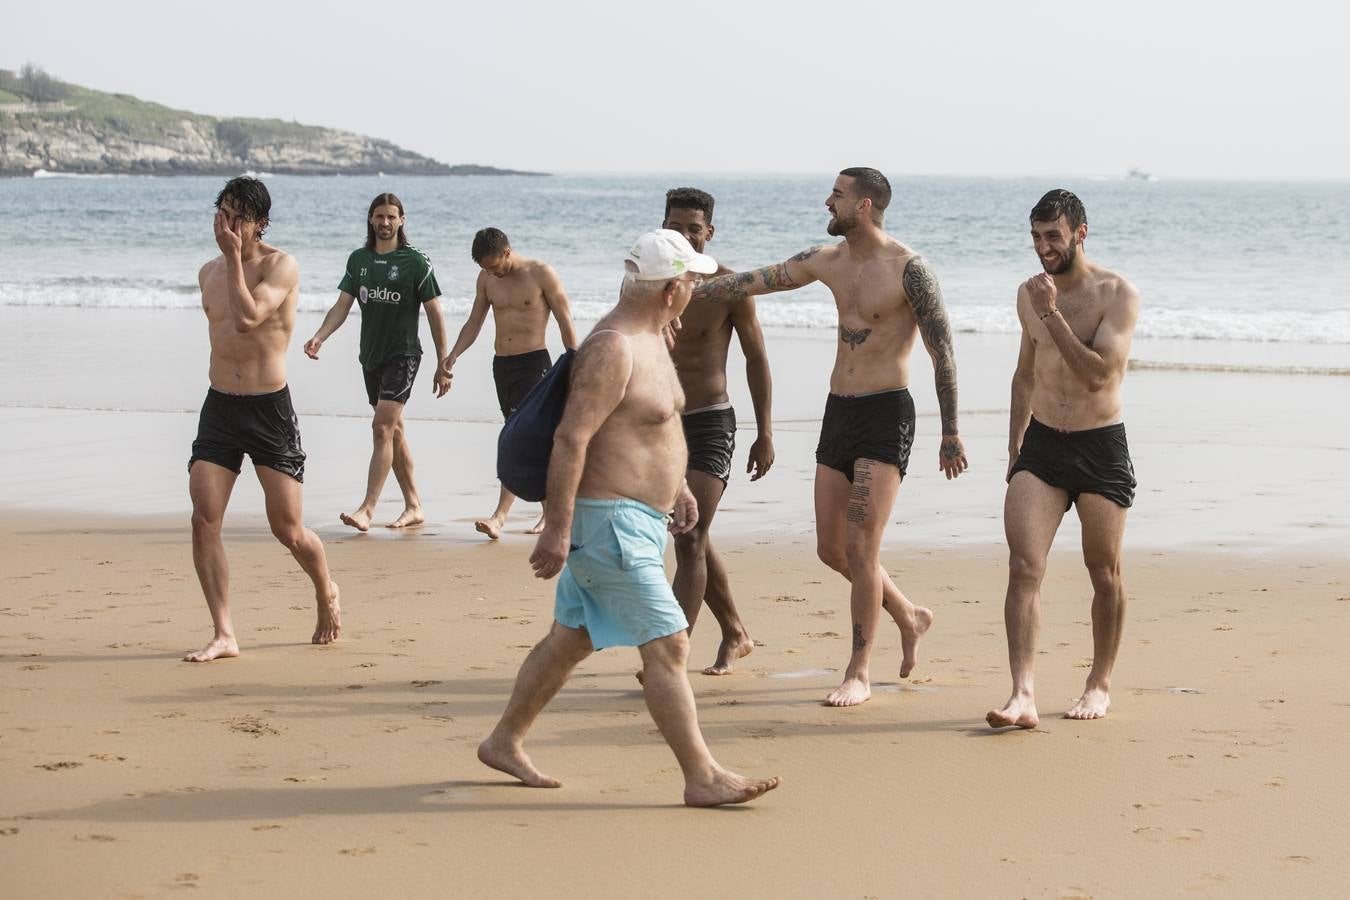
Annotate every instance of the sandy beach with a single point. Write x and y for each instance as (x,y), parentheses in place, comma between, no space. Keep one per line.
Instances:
(350,770)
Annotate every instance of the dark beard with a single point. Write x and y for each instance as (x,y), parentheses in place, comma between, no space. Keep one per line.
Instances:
(1066,261)
(838,227)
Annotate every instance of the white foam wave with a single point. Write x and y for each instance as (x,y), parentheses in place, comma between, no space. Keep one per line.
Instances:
(1274,326)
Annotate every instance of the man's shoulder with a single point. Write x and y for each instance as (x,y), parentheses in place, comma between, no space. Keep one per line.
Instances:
(1113,286)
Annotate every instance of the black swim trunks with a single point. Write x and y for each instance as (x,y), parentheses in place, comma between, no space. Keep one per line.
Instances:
(262,425)
(392,379)
(1096,461)
(711,436)
(515,375)
(876,426)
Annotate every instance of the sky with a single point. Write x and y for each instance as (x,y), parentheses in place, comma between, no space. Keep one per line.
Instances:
(1180,89)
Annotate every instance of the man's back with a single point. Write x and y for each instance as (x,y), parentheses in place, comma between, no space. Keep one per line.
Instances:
(639,450)
(1060,398)
(251,361)
(877,327)
(519,308)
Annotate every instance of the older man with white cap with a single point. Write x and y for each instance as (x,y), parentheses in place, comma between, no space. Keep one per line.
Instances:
(615,484)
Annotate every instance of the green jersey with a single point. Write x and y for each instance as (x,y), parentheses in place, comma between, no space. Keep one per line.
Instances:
(391,288)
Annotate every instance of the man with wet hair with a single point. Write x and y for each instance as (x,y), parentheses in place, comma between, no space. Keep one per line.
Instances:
(615,486)
(521,294)
(1067,447)
(700,355)
(249,295)
(886,295)
(391,279)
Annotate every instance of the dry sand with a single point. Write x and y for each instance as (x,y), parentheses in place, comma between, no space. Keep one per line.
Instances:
(349,770)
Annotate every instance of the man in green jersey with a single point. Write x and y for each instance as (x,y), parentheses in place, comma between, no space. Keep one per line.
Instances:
(391,279)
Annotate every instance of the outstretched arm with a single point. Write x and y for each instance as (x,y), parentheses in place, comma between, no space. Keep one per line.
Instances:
(925,298)
(794,273)
(250,308)
(556,300)
(757,376)
(331,323)
(1103,362)
(599,381)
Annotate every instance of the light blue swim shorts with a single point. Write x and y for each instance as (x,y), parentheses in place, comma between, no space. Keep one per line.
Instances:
(614,584)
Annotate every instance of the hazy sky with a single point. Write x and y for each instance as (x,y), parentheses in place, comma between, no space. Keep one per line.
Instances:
(1180,88)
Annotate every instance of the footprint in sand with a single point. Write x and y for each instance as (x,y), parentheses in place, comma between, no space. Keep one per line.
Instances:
(107,757)
(820,634)
(251,725)
(8,832)
(358,851)
(101,838)
(58,766)
(36,667)
(1187,835)
(265,827)
(425,683)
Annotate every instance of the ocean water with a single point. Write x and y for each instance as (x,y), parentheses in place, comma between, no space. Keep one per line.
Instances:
(1258,267)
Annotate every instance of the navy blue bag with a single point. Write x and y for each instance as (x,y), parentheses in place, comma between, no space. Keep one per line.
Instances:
(526,441)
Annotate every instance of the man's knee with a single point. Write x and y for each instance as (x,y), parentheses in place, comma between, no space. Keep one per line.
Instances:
(671,651)
(572,644)
(693,544)
(1025,571)
(205,524)
(290,534)
(1105,577)
(383,431)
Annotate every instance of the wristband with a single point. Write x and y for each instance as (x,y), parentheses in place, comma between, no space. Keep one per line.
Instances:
(1045,316)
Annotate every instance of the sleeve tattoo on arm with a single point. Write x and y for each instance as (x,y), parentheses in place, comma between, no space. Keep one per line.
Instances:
(925,297)
(730,288)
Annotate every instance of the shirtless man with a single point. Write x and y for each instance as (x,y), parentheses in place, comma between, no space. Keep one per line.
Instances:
(700,355)
(1066,447)
(521,293)
(392,279)
(249,295)
(617,466)
(886,295)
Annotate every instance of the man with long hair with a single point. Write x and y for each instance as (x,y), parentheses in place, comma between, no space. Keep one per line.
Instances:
(391,279)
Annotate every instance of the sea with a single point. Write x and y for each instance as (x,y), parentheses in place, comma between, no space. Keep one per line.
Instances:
(1244,273)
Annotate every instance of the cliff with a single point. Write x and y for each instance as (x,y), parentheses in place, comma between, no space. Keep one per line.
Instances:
(91,132)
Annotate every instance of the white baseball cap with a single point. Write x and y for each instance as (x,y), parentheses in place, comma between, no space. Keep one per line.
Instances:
(664,254)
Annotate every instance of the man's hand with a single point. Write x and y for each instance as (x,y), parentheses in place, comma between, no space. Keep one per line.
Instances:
(761,458)
(440,382)
(550,552)
(228,239)
(312,347)
(685,515)
(1042,293)
(952,456)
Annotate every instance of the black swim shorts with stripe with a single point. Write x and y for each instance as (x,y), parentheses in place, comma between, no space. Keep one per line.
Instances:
(711,436)
(515,375)
(876,426)
(262,425)
(392,379)
(1095,461)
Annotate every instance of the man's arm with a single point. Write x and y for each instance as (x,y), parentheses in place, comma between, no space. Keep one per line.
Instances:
(550,285)
(1101,364)
(794,273)
(250,308)
(468,333)
(925,298)
(440,382)
(332,321)
(1023,381)
(599,381)
(757,376)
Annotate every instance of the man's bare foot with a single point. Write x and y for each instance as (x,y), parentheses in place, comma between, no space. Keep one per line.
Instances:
(725,787)
(537,527)
(852,692)
(1092,705)
(329,625)
(411,517)
(491,526)
(909,639)
(219,648)
(728,653)
(514,762)
(1020,710)
(360,520)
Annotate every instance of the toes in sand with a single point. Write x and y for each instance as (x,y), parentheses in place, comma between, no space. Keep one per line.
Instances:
(724,788)
(329,625)
(727,654)
(1018,711)
(411,517)
(852,692)
(1092,705)
(219,648)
